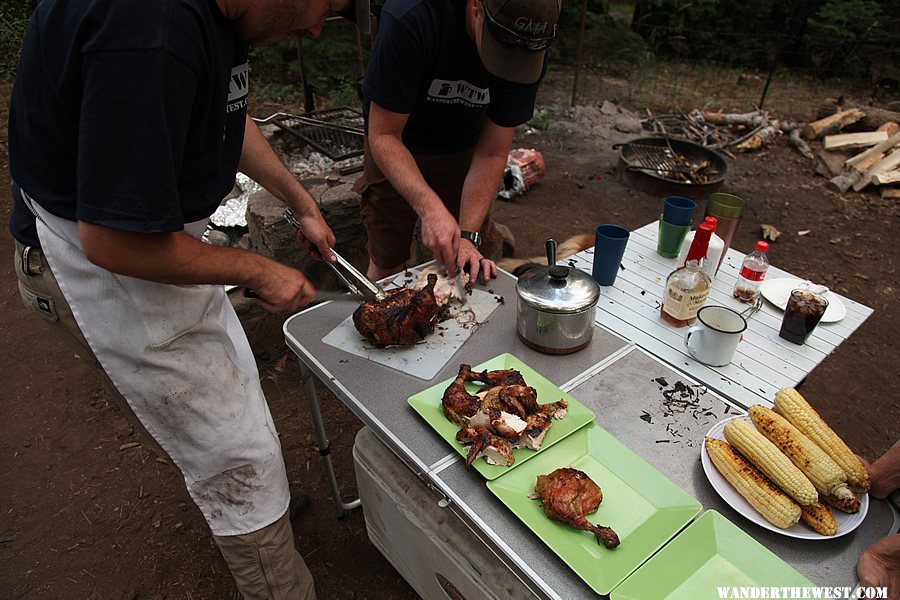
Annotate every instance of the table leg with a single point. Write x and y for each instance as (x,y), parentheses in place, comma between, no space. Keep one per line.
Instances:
(309,390)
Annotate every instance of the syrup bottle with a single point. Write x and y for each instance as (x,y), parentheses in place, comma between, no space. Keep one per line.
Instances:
(687,287)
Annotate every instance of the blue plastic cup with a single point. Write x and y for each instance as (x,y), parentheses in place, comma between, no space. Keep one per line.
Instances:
(678,210)
(609,248)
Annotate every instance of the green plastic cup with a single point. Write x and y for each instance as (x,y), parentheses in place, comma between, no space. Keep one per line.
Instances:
(670,238)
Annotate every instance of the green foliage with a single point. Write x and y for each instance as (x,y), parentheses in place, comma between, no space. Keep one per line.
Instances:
(608,42)
(331,65)
(14,15)
(839,28)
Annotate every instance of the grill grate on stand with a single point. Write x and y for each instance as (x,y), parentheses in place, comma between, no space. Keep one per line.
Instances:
(653,158)
(335,132)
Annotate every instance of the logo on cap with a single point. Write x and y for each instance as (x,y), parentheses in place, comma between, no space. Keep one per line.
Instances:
(526,25)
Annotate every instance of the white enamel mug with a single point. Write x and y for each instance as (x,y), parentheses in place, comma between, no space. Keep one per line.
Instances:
(714,338)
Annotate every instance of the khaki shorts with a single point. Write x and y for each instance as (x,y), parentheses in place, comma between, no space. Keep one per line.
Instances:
(389,219)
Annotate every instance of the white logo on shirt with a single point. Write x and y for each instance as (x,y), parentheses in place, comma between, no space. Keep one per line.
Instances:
(458,92)
(238,87)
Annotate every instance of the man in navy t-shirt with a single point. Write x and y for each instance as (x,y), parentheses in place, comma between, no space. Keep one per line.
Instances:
(128,121)
(447,83)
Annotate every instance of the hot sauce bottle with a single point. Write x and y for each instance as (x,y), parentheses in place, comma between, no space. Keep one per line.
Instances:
(687,287)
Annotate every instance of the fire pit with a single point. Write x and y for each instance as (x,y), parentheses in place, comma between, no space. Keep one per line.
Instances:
(667,166)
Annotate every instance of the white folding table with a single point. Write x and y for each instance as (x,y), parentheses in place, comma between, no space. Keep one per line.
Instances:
(764,362)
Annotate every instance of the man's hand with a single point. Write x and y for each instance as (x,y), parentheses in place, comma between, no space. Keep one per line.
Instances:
(440,233)
(316,236)
(879,565)
(470,260)
(283,289)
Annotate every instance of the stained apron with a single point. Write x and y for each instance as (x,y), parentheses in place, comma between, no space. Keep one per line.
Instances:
(181,359)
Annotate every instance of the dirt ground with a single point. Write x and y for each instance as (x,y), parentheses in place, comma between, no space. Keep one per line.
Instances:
(89,512)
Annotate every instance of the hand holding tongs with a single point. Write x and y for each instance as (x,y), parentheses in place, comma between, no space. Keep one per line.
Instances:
(358,283)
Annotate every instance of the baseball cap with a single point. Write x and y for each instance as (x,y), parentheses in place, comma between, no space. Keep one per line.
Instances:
(516,35)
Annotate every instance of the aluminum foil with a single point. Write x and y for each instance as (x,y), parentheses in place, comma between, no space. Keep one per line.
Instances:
(233,213)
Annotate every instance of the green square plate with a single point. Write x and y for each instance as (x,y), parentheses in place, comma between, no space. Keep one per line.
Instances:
(428,404)
(643,506)
(711,553)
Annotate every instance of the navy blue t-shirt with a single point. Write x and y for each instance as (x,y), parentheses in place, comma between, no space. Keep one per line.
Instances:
(127,113)
(425,65)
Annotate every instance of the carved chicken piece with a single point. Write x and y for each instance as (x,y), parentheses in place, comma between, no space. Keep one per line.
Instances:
(445,289)
(498,377)
(567,495)
(506,424)
(458,404)
(536,427)
(517,399)
(404,318)
(496,450)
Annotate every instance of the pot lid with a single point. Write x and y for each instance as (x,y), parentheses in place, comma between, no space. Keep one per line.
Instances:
(558,289)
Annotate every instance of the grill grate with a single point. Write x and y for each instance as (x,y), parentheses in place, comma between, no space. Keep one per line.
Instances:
(665,162)
(335,132)
(654,158)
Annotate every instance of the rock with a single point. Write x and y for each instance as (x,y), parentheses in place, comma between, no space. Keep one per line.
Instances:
(627,125)
(270,235)
(608,108)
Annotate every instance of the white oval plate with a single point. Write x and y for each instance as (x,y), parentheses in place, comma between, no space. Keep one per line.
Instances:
(777,291)
(845,523)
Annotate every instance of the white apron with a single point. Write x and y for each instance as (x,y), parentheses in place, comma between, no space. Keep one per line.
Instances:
(179,356)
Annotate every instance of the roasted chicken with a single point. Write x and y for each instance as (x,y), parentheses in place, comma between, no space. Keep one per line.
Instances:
(404,318)
(506,408)
(567,495)
(458,404)
(496,450)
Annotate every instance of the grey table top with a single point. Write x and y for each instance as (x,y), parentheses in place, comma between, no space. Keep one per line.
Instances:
(613,377)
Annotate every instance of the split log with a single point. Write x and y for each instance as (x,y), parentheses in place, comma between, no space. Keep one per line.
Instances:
(759,138)
(852,175)
(890,193)
(847,141)
(886,177)
(874,150)
(835,122)
(890,128)
(717,118)
(889,162)
(828,164)
(875,117)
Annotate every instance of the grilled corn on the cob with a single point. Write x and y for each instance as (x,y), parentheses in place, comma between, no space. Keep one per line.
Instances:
(794,407)
(819,518)
(848,505)
(824,473)
(766,457)
(773,504)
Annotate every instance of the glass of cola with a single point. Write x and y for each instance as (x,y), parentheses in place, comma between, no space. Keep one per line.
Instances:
(803,312)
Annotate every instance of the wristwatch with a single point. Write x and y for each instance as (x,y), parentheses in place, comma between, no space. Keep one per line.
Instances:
(472,236)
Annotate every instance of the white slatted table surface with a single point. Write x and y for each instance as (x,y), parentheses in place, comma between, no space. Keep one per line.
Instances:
(764,362)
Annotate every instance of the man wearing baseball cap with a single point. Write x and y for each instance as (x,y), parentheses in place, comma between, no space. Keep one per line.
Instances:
(447,84)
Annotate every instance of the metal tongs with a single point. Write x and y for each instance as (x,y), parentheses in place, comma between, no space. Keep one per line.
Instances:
(358,283)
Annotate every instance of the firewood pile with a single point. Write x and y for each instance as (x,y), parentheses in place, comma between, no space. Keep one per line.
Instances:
(855,146)
(724,132)
(868,154)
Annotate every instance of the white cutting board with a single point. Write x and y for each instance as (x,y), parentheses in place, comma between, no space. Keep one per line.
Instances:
(429,356)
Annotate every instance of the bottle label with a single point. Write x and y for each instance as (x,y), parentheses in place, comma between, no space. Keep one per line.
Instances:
(751,275)
(683,305)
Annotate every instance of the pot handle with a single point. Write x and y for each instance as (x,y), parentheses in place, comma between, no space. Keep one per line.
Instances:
(551,252)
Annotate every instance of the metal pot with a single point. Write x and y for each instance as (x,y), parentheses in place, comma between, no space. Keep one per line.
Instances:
(555,307)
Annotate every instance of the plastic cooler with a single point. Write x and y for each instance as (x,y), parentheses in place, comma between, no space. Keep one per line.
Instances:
(429,545)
